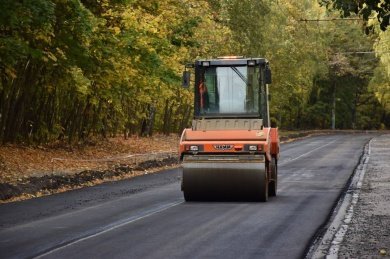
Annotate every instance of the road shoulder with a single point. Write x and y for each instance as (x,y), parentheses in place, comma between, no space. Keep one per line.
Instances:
(368,235)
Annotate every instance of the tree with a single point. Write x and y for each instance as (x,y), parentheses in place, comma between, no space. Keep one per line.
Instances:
(74,69)
(365,8)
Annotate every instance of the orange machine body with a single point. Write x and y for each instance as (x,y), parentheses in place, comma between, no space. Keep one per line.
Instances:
(230,142)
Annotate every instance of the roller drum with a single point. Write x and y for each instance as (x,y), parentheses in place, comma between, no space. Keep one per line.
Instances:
(225,181)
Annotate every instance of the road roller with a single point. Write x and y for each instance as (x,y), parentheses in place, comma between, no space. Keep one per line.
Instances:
(231,151)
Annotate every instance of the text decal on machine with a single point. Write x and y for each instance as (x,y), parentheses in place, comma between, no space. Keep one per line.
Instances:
(223,147)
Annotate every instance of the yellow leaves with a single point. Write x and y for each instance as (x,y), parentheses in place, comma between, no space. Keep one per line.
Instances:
(109,13)
(45,37)
(382,48)
(381,78)
(48,56)
(104,3)
(9,71)
(116,30)
(81,82)
(51,56)
(61,53)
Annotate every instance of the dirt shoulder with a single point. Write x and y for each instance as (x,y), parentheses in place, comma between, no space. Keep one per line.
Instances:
(27,172)
(368,234)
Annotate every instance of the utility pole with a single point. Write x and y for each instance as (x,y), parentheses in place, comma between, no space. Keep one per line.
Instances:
(334,106)
(334,111)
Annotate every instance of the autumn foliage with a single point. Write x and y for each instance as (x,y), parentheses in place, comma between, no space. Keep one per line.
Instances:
(76,68)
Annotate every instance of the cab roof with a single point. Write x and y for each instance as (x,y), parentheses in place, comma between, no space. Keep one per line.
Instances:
(231,61)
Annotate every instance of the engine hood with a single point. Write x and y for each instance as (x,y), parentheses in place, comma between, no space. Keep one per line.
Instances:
(232,135)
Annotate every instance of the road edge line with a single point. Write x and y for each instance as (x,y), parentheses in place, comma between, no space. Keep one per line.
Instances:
(327,241)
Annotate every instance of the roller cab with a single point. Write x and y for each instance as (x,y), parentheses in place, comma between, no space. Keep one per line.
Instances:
(230,152)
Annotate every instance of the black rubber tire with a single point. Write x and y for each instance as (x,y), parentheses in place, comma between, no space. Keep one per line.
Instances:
(264,189)
(263,193)
(188,197)
(191,196)
(273,184)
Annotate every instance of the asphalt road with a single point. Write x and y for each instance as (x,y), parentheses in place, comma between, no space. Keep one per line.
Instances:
(146,217)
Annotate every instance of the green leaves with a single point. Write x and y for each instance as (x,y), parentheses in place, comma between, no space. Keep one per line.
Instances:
(81,83)
(71,69)
(365,8)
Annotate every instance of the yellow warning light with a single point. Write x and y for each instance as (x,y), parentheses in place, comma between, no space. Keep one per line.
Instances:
(230,57)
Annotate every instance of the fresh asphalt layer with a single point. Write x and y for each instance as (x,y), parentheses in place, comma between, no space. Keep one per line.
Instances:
(146,217)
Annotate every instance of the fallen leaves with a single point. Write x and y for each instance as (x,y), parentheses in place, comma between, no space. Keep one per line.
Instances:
(20,162)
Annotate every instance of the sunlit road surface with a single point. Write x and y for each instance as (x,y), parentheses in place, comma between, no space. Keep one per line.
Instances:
(146,217)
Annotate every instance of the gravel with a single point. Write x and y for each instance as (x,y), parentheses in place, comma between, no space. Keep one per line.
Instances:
(368,234)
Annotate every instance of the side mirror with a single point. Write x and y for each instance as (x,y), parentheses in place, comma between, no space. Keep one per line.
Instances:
(268,77)
(186,79)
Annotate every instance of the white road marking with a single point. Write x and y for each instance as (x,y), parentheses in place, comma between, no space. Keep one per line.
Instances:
(112,227)
(350,202)
(328,245)
(307,153)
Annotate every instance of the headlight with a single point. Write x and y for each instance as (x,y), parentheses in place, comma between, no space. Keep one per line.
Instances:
(252,148)
(194,148)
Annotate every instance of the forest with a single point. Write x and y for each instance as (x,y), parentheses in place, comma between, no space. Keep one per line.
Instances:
(72,69)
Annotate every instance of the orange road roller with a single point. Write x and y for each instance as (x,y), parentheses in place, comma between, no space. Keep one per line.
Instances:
(231,151)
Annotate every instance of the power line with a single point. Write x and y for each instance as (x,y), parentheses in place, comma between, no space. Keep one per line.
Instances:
(331,19)
(364,52)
